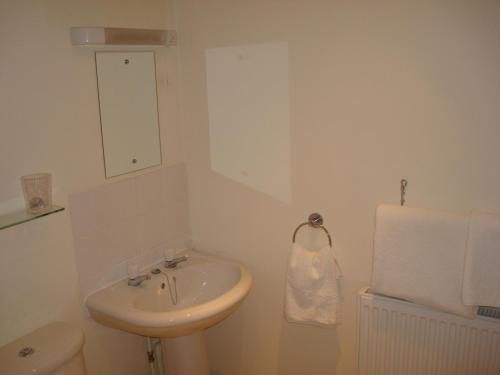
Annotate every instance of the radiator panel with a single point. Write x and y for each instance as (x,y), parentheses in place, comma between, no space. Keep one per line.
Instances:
(400,338)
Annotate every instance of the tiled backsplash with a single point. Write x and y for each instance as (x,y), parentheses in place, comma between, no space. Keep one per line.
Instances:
(133,219)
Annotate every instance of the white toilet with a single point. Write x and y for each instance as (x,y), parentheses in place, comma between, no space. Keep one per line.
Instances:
(55,349)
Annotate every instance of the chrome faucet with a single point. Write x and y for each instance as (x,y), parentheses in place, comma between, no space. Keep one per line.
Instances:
(136,281)
(174,262)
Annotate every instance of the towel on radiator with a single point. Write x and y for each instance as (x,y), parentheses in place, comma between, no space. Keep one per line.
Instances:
(311,295)
(419,255)
(482,261)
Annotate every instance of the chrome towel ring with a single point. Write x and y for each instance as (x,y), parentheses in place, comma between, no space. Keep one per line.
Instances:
(314,220)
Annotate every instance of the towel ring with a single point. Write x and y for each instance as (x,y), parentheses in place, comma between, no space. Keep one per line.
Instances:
(314,220)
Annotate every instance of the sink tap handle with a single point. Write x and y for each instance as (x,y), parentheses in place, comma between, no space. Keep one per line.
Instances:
(174,262)
(136,281)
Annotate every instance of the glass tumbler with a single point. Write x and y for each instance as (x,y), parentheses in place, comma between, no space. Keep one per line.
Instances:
(37,190)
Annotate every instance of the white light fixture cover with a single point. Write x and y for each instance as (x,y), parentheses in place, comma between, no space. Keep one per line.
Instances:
(81,36)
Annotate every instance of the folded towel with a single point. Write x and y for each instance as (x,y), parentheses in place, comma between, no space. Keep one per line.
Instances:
(482,261)
(419,256)
(311,289)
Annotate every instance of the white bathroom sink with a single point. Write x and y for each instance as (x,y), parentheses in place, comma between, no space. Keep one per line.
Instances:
(208,289)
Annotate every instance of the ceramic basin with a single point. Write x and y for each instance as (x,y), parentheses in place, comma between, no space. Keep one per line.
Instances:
(208,288)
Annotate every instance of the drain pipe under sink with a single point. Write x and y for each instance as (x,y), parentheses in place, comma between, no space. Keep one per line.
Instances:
(155,360)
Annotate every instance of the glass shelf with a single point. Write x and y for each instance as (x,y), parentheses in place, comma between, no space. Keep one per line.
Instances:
(19,217)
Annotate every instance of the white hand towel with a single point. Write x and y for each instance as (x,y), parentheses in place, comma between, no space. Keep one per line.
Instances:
(419,256)
(482,261)
(311,288)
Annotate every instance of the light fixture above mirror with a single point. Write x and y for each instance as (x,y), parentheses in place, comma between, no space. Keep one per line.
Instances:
(96,36)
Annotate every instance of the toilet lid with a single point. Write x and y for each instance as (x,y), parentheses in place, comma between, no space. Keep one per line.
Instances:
(41,351)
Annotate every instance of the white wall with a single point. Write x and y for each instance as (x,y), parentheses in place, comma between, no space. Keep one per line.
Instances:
(49,121)
(379,91)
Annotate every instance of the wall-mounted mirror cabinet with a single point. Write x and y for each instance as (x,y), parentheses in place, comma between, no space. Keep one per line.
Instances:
(129,111)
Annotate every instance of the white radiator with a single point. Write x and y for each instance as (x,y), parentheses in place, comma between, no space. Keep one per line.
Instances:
(400,338)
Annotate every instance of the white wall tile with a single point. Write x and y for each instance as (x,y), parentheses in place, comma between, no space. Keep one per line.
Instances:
(116,200)
(133,219)
(153,229)
(124,239)
(91,254)
(149,191)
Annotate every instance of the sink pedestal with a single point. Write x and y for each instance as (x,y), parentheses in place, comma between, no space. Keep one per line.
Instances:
(185,355)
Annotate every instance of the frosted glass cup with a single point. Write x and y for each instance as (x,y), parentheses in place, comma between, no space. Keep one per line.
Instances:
(37,190)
